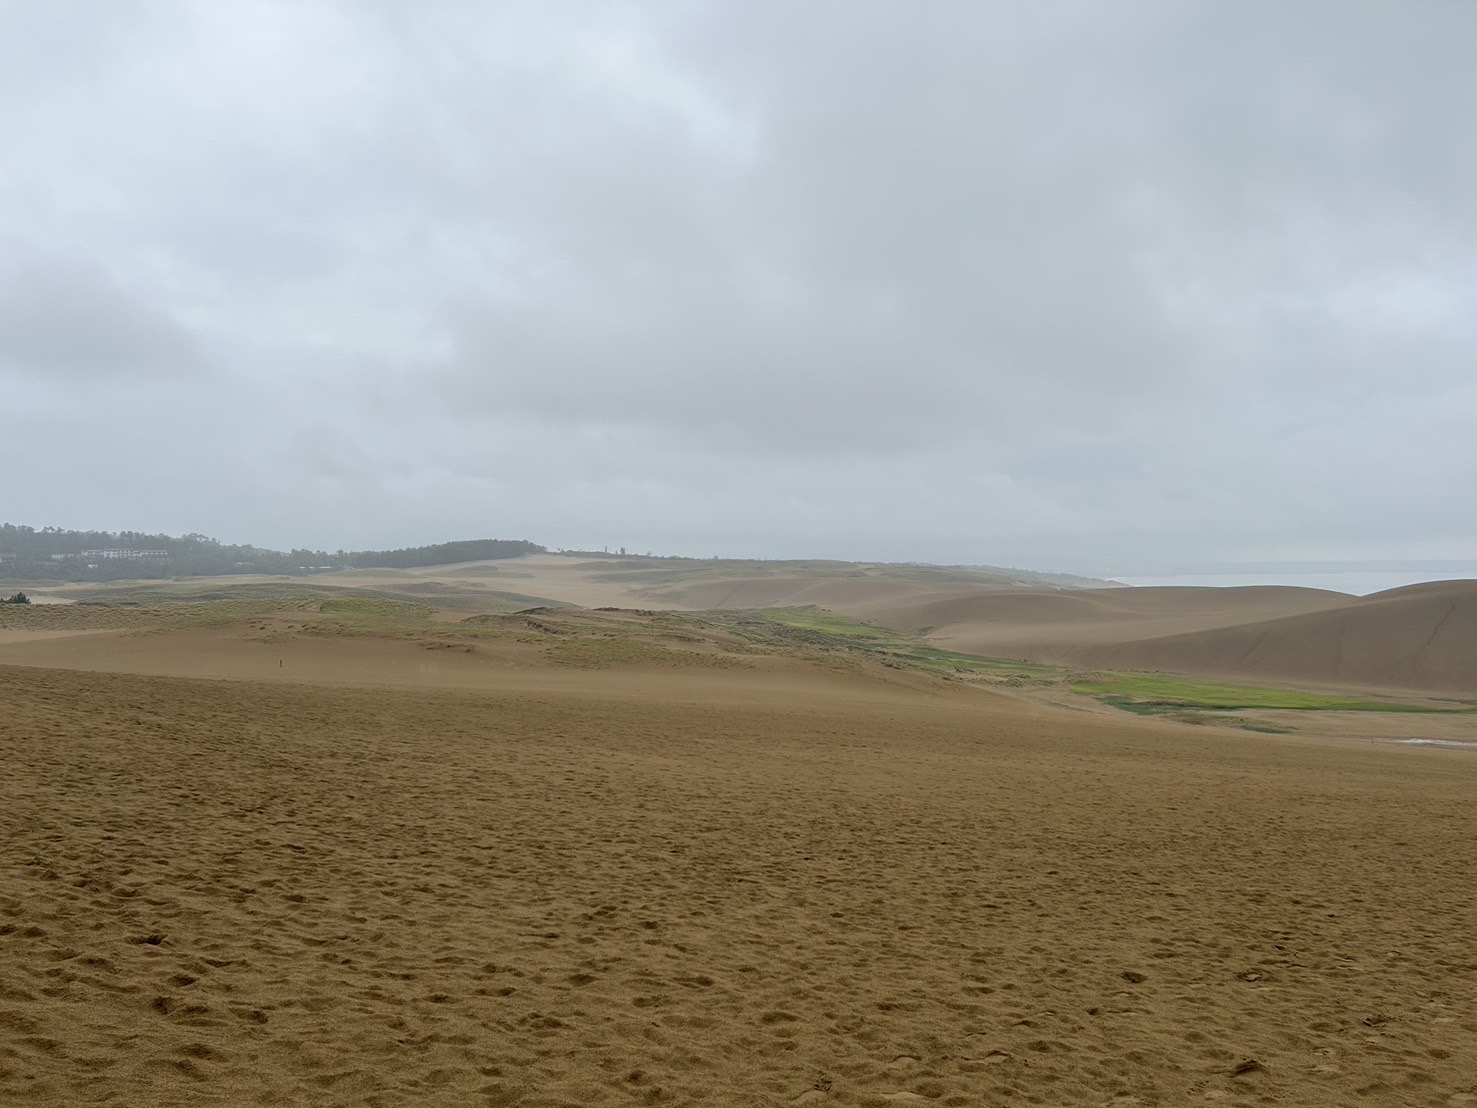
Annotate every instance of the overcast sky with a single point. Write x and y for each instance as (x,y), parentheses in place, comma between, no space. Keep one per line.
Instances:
(1060,285)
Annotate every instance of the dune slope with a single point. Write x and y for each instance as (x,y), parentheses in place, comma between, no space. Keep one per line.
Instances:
(1421,637)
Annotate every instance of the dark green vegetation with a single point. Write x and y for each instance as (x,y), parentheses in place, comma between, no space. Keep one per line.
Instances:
(440,554)
(56,554)
(18,598)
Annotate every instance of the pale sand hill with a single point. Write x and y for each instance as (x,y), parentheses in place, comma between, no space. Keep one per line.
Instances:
(678,584)
(771,883)
(1420,637)
(842,593)
(697,585)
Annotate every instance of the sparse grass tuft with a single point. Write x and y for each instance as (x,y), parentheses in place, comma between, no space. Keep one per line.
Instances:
(825,623)
(818,628)
(598,653)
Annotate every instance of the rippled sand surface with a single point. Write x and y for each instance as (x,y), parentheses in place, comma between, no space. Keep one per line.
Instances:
(729,889)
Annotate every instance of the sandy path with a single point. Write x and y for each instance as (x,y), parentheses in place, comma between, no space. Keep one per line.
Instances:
(237,893)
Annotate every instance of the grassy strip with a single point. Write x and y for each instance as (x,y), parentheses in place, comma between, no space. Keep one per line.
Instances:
(812,626)
(1160,694)
(824,623)
(1146,694)
(163,617)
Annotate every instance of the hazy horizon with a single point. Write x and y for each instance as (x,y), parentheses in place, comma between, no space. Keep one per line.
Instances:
(1053,286)
(1359,578)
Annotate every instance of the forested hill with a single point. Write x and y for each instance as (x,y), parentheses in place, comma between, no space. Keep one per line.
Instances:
(56,554)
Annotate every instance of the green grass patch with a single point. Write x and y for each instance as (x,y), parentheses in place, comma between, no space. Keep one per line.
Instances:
(599,653)
(367,615)
(951,661)
(820,629)
(374,607)
(1150,694)
(824,623)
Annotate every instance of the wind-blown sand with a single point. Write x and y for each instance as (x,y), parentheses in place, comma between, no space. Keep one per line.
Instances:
(772,884)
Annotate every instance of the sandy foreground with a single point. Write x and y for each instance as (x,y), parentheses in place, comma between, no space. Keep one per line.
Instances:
(752,887)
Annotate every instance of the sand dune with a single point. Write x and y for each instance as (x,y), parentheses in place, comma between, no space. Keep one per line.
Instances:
(1048,625)
(771,885)
(1085,607)
(1421,637)
(698,585)
(840,594)
(429,662)
(555,579)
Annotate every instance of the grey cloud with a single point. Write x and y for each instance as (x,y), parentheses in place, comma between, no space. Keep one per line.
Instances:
(954,214)
(71,321)
(839,277)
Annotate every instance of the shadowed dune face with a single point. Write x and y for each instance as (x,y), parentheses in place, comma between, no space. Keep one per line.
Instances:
(646,891)
(1422,637)
(1086,612)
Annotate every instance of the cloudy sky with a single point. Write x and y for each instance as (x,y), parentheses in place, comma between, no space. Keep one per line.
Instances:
(1062,285)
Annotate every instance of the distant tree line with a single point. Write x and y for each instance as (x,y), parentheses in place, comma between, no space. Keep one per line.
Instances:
(443,553)
(57,554)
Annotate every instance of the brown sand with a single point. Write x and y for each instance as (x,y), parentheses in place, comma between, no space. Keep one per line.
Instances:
(759,886)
